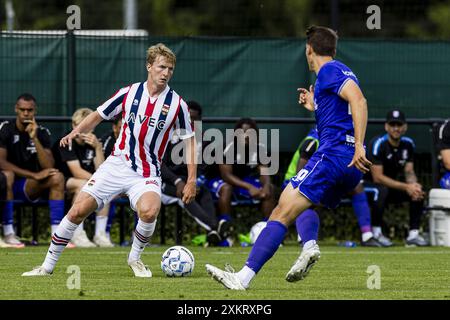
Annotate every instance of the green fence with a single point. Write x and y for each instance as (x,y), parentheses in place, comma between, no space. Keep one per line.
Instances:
(228,76)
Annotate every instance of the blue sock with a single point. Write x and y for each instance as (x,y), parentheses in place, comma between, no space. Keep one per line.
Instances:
(56,211)
(111,215)
(307,224)
(225,217)
(265,246)
(8,213)
(362,211)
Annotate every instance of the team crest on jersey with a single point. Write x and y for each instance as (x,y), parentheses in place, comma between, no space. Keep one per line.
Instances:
(135,102)
(152,182)
(405,154)
(16,138)
(91,182)
(165,109)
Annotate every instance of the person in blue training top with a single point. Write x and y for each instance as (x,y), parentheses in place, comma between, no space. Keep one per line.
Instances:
(305,151)
(444,154)
(335,169)
(392,178)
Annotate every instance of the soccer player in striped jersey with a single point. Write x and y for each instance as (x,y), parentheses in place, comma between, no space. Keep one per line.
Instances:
(151,111)
(334,169)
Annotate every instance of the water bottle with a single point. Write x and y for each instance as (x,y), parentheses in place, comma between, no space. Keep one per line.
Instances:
(347,244)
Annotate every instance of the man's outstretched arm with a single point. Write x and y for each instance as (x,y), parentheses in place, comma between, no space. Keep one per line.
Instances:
(88,124)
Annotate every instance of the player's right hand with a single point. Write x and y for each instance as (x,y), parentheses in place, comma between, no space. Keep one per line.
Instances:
(359,159)
(306,98)
(67,140)
(255,193)
(189,192)
(44,174)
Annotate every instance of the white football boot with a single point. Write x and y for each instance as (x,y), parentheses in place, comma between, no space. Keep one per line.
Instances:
(80,240)
(102,240)
(37,271)
(300,269)
(140,270)
(229,280)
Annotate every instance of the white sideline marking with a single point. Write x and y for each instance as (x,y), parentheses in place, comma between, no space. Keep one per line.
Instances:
(246,252)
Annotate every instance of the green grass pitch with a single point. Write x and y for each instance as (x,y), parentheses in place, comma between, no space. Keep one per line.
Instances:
(341,273)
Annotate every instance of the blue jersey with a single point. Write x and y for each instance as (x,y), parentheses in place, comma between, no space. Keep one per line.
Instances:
(313,133)
(333,115)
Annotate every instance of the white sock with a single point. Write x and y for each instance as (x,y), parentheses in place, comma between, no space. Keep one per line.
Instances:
(245,276)
(141,237)
(412,234)
(376,231)
(366,236)
(8,229)
(309,244)
(60,239)
(100,224)
(54,226)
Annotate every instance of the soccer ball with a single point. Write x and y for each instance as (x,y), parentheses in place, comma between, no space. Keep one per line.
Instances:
(256,230)
(177,261)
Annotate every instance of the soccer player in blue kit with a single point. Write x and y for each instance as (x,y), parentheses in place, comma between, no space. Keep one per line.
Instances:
(334,170)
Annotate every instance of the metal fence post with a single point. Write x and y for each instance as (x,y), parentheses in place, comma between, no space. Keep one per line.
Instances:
(71,72)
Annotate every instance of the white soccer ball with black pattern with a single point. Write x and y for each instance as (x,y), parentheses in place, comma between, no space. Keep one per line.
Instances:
(177,261)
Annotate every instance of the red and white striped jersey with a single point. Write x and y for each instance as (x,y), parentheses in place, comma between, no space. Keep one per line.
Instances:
(147,125)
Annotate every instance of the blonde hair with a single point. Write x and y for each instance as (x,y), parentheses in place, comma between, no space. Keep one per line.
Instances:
(80,114)
(160,50)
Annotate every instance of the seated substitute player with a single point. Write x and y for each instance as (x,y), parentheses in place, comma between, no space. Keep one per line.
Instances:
(242,180)
(393,179)
(444,154)
(78,164)
(151,110)
(174,177)
(305,151)
(334,169)
(28,164)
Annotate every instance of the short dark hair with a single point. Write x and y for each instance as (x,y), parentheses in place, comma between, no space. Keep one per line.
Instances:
(26,97)
(249,121)
(323,40)
(194,105)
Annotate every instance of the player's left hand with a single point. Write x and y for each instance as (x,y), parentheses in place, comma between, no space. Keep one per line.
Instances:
(31,128)
(189,192)
(359,159)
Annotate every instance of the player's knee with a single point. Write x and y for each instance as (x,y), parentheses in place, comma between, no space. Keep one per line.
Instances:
(149,213)
(76,214)
(57,180)
(226,191)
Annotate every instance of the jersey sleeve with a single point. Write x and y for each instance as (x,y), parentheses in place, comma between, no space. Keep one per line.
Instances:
(67,155)
(113,106)
(308,147)
(411,148)
(5,134)
(333,78)
(183,122)
(375,152)
(45,137)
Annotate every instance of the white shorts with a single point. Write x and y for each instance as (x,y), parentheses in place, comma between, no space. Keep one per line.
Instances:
(114,177)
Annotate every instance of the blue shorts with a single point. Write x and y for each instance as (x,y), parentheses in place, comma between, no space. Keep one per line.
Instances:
(326,179)
(19,191)
(215,184)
